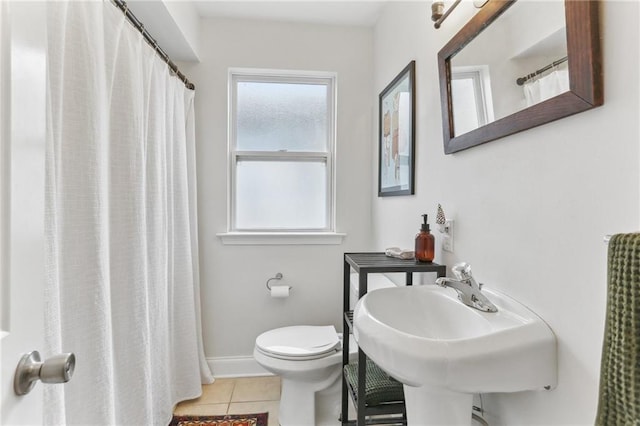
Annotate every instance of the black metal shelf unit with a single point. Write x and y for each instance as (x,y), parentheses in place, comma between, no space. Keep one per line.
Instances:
(365,264)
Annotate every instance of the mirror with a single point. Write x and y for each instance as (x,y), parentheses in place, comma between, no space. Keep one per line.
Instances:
(518,65)
(485,74)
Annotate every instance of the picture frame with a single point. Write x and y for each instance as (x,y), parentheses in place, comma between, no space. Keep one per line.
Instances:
(396,135)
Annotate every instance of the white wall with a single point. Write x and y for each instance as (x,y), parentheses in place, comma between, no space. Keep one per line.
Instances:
(173,24)
(531,209)
(186,19)
(236,305)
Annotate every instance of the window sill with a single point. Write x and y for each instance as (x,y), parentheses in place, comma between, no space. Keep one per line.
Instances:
(281,238)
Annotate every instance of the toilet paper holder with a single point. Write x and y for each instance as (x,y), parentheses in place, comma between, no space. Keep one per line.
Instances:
(277,277)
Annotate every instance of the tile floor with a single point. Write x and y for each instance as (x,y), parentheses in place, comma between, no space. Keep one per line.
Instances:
(243,395)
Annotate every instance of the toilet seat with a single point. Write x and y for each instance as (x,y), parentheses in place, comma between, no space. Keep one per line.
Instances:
(299,343)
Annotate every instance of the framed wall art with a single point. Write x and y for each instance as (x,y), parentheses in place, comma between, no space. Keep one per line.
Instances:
(396,135)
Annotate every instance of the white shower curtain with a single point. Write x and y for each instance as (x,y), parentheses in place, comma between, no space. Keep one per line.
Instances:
(543,88)
(122,285)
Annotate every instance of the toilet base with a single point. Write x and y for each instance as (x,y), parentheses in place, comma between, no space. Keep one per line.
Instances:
(311,389)
(310,403)
(329,406)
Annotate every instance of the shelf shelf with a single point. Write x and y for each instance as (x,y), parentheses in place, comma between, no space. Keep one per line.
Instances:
(379,262)
(348,318)
(356,382)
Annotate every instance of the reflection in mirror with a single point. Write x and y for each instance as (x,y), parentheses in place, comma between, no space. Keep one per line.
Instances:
(472,97)
(518,61)
(484,99)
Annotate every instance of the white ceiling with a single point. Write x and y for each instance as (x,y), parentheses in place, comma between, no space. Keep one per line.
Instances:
(346,12)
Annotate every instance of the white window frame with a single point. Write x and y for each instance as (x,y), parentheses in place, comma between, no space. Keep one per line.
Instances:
(327,235)
(479,75)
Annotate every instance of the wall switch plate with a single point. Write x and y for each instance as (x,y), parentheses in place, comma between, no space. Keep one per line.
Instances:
(447,236)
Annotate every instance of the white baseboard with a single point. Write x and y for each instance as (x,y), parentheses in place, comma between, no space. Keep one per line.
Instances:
(239,366)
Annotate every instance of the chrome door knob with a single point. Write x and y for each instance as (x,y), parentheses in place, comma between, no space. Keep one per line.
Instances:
(57,369)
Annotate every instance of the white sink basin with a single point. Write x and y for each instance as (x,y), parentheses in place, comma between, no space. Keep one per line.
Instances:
(426,338)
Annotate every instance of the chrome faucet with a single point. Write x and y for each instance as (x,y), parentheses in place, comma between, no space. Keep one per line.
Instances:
(468,289)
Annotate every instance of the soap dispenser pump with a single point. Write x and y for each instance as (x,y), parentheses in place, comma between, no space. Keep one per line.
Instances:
(425,242)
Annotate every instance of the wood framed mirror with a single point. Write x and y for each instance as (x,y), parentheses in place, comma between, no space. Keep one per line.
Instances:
(582,62)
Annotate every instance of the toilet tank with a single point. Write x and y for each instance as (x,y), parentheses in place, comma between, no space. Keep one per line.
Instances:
(374,282)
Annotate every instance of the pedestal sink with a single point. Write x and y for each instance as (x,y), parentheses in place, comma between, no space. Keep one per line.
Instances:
(444,351)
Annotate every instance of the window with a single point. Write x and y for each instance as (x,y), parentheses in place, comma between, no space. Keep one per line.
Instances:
(471,93)
(281,146)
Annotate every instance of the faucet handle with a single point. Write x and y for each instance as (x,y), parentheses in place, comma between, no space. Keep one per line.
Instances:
(462,270)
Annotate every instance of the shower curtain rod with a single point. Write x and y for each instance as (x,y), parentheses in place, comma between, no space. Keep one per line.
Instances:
(122,5)
(520,81)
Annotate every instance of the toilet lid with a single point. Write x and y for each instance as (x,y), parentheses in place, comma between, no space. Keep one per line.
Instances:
(301,341)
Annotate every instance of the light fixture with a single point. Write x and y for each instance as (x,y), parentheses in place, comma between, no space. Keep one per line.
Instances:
(438,14)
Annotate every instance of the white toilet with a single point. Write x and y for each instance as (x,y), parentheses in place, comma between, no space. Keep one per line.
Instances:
(309,361)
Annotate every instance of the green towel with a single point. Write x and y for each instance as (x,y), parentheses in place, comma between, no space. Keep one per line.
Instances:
(619,399)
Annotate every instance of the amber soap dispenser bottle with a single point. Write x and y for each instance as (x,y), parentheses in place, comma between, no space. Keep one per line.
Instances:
(425,243)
